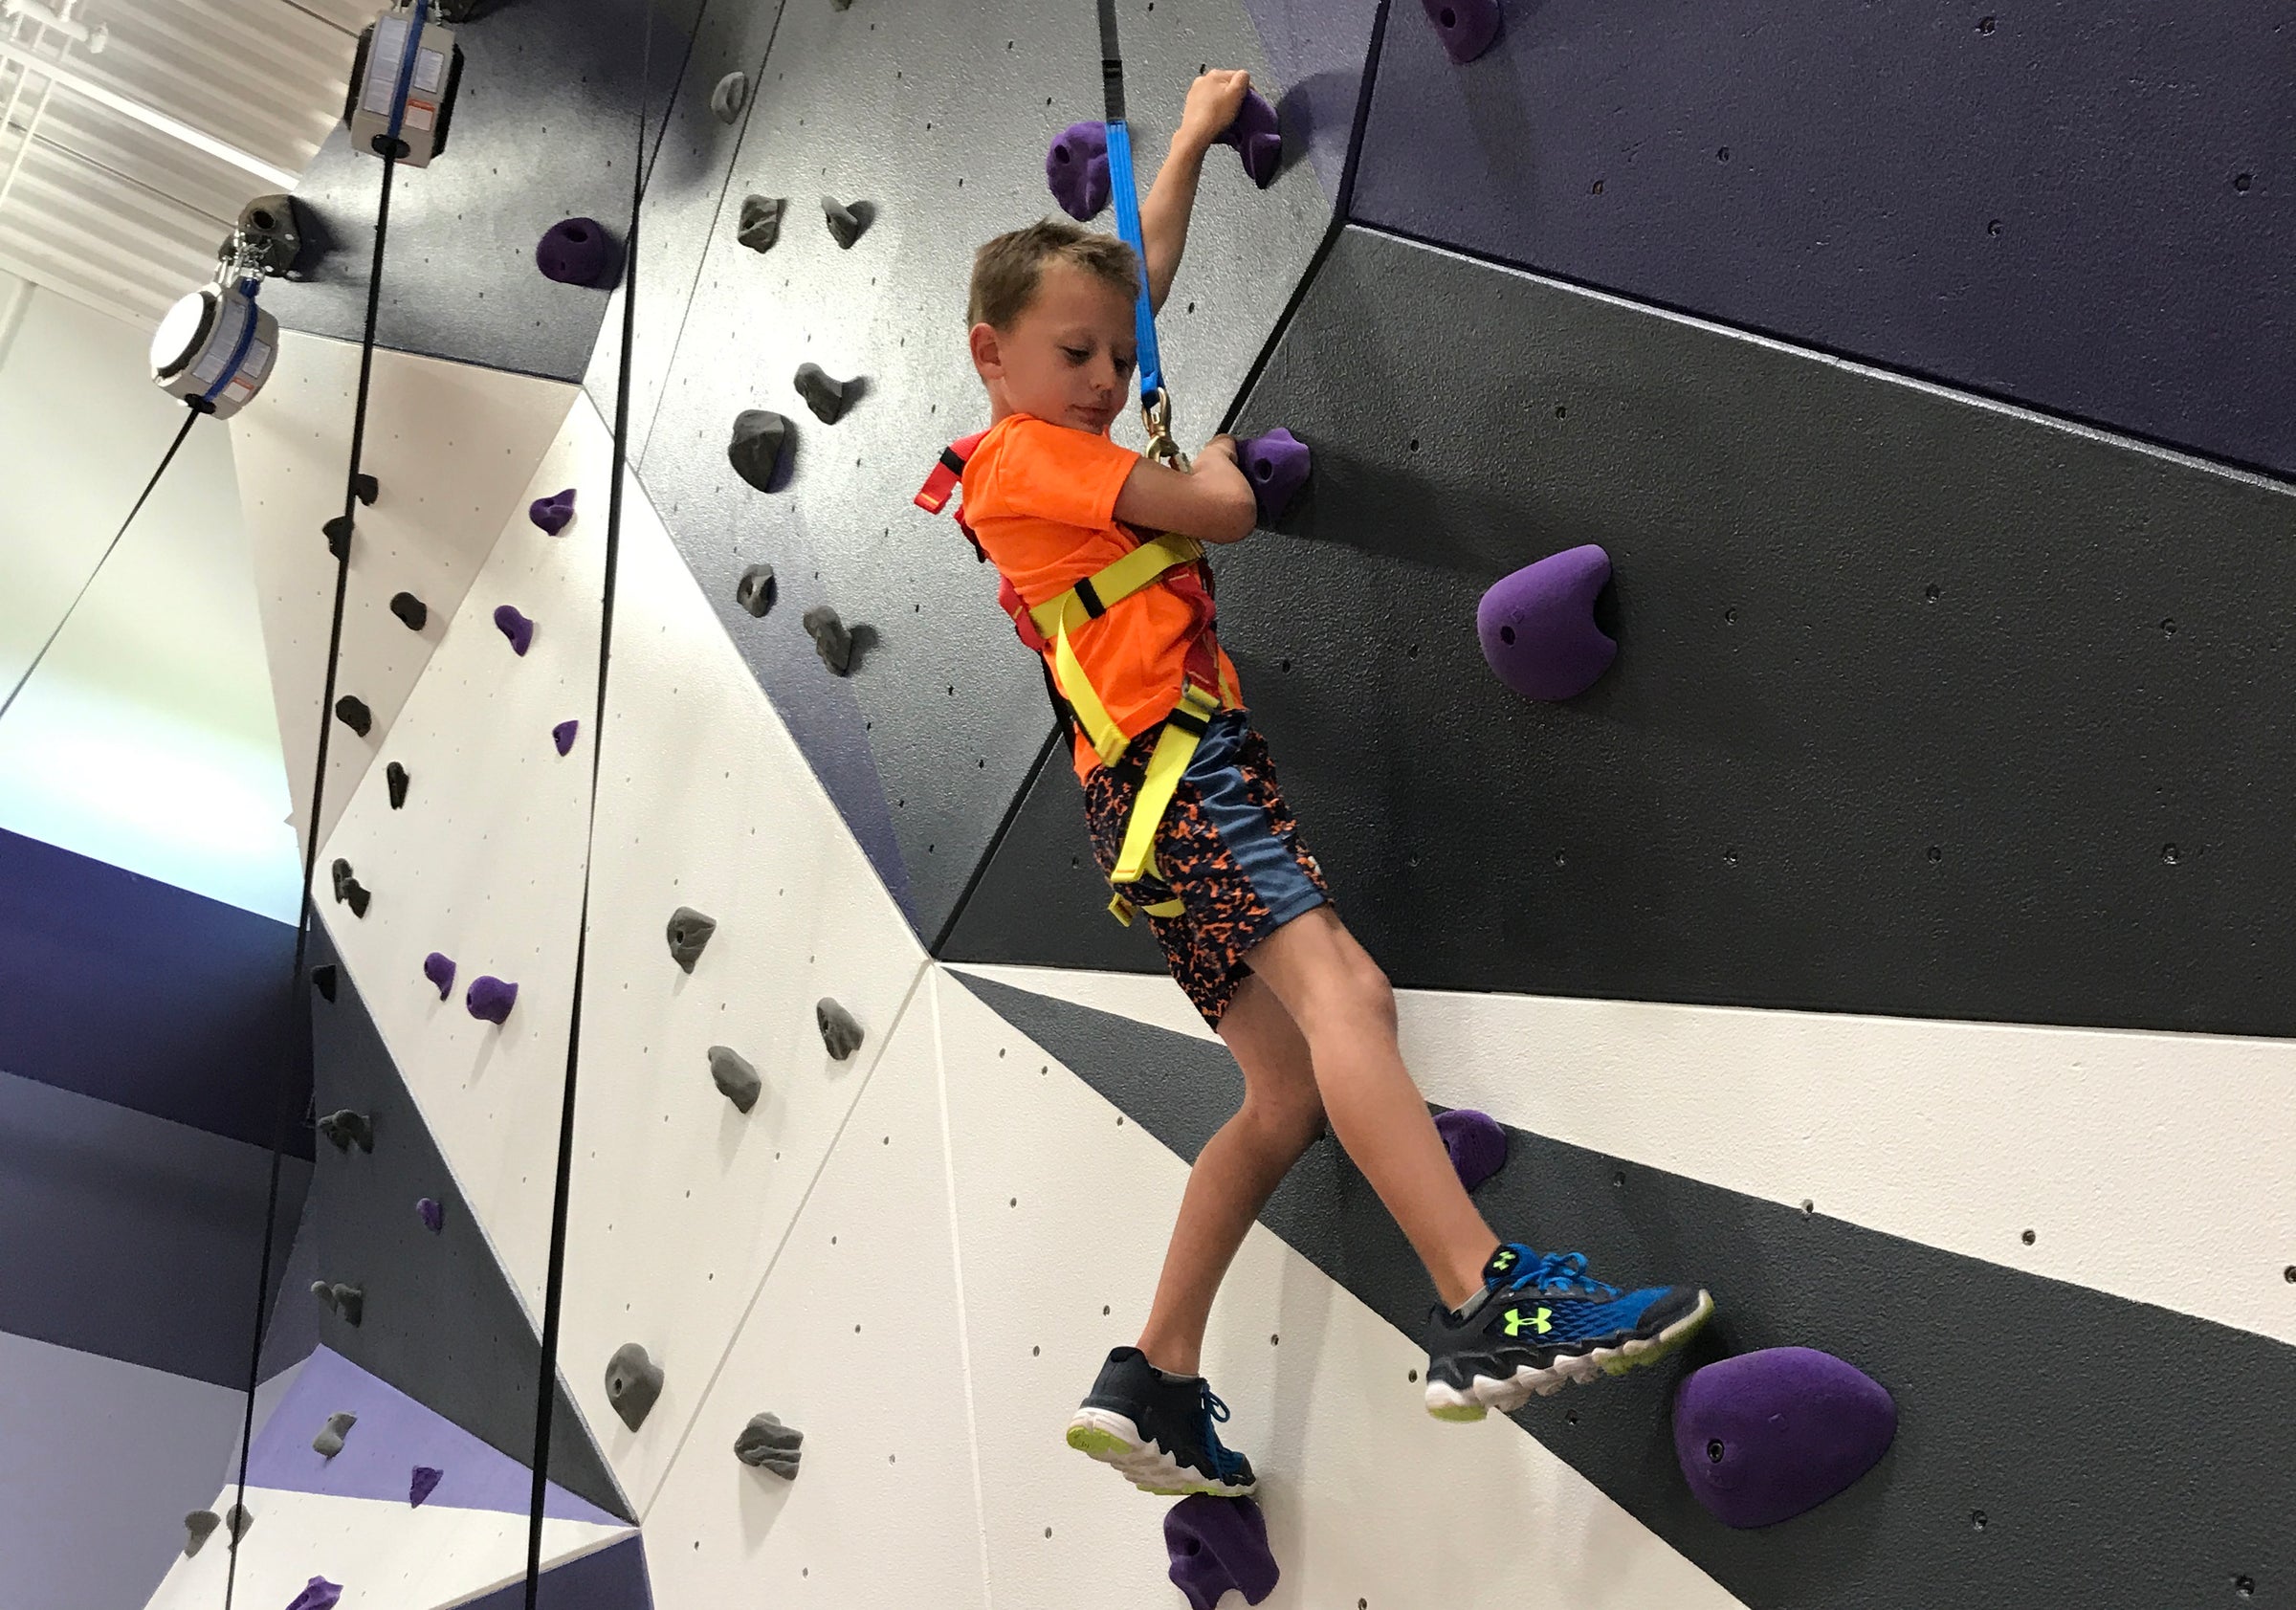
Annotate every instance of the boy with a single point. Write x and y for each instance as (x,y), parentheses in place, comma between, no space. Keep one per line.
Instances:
(1237,904)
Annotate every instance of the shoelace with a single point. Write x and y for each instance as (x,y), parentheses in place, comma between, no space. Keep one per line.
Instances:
(1224,1461)
(1564,1271)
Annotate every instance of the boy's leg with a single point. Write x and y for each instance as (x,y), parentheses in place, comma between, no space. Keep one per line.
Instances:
(1331,987)
(1237,1171)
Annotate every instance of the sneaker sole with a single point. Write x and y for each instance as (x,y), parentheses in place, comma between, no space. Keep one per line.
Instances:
(1445,1402)
(1114,1441)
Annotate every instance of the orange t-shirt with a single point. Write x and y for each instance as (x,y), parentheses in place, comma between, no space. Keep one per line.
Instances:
(1041,499)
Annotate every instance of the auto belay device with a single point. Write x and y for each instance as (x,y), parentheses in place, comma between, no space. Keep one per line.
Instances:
(213,348)
(403,84)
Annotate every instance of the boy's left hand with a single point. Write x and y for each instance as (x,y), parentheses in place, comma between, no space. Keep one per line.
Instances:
(1213,101)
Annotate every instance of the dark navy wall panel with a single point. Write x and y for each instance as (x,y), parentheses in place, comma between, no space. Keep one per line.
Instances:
(2084,204)
(614,1578)
(1922,706)
(137,992)
(132,1237)
(2056,1446)
(441,1320)
(544,129)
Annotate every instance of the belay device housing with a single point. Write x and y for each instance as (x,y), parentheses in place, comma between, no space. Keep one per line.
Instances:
(381,67)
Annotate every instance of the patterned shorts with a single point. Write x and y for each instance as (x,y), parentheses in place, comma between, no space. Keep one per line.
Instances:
(1228,847)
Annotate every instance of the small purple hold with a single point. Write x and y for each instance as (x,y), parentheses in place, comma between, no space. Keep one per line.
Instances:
(1076,168)
(1276,464)
(439,968)
(515,626)
(319,1594)
(552,513)
(580,252)
(490,998)
(426,1482)
(1537,626)
(433,1216)
(563,735)
(1477,1141)
(1218,1544)
(1767,1435)
(1256,138)
(1466,26)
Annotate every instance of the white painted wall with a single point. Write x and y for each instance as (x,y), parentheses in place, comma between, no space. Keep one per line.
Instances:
(147,737)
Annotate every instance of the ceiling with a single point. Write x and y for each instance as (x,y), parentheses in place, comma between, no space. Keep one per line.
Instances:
(122,169)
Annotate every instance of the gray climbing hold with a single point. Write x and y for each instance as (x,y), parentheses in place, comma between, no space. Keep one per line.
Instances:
(760,436)
(412,612)
(832,641)
(755,590)
(346,1303)
(841,5)
(352,712)
(761,224)
(727,99)
(823,394)
(236,1520)
(198,1525)
(339,535)
(394,777)
(632,1383)
(689,936)
(846,223)
(840,1029)
(766,1444)
(322,979)
(347,889)
(329,1440)
(736,1078)
(346,1129)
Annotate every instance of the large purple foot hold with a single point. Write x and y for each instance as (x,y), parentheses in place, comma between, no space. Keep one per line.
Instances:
(1076,168)
(319,1594)
(552,513)
(1256,138)
(515,626)
(1277,465)
(1537,626)
(1466,26)
(1767,1435)
(1477,1141)
(579,252)
(490,998)
(1218,1545)
(424,1484)
(439,968)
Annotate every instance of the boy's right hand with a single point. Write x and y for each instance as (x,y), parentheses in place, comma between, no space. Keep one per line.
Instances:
(1213,101)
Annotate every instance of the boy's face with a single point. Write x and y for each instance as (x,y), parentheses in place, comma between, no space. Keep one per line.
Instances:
(1067,357)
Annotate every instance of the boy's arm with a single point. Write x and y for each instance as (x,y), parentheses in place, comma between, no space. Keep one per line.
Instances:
(1214,503)
(1213,101)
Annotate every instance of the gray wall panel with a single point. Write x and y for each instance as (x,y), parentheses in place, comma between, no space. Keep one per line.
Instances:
(938,114)
(2121,1457)
(1923,706)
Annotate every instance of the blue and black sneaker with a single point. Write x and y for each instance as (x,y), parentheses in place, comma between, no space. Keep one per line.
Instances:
(1158,1430)
(1542,1320)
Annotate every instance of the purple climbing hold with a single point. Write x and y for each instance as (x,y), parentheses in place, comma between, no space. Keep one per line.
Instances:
(1076,168)
(1276,464)
(552,513)
(1466,26)
(1256,138)
(563,735)
(490,998)
(1477,1141)
(1219,1544)
(319,1594)
(1537,626)
(439,968)
(434,1220)
(426,1481)
(515,626)
(1766,1435)
(580,252)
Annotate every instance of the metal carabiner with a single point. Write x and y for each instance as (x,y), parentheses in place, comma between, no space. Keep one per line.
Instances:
(1156,419)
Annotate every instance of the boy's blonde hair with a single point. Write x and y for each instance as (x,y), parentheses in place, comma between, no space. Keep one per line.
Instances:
(1007,271)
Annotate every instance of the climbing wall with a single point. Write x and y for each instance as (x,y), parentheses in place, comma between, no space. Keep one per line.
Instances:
(1885,941)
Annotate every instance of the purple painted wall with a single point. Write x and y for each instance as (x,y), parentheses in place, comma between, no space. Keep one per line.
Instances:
(1316,50)
(142,994)
(2089,207)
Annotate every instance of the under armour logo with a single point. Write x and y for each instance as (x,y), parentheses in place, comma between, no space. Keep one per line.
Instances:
(1517,1321)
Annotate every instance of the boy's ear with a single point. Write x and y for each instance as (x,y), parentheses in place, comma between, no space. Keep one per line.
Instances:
(988,357)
